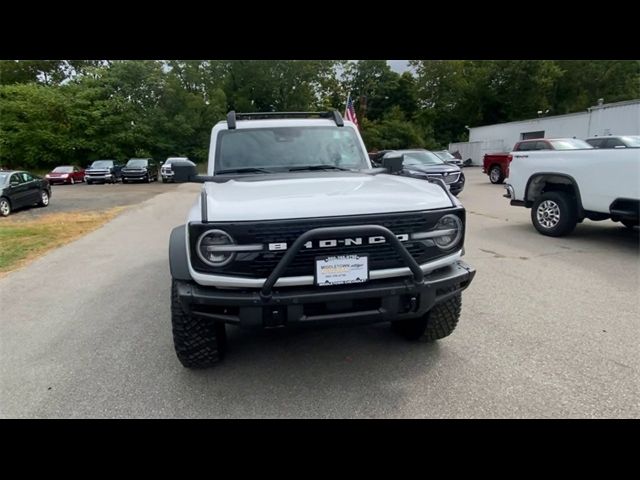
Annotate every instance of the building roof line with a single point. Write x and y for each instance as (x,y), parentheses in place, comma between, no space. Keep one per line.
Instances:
(585,112)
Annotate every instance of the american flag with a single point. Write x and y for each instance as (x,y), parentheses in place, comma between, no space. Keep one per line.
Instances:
(350,112)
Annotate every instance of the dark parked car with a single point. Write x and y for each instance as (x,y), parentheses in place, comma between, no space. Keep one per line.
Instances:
(615,141)
(140,169)
(103,171)
(65,174)
(425,164)
(22,189)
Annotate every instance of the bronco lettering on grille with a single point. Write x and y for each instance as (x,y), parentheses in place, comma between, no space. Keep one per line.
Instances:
(403,237)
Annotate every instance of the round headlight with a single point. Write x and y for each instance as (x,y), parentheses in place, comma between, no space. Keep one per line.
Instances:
(207,251)
(451,227)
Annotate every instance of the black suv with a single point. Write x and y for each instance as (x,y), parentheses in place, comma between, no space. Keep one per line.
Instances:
(103,171)
(424,164)
(143,169)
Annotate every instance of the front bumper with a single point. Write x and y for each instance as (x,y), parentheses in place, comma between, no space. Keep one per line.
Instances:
(135,175)
(376,301)
(457,187)
(100,177)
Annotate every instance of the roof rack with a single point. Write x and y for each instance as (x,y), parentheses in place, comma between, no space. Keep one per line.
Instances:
(232,116)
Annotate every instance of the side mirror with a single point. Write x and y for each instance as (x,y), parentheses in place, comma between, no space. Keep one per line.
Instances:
(393,164)
(184,171)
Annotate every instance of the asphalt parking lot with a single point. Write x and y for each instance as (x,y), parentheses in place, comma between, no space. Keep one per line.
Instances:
(549,329)
(95,197)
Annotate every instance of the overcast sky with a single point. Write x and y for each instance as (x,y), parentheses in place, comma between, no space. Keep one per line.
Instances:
(399,65)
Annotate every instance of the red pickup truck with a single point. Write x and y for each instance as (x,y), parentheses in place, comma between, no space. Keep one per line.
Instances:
(496,165)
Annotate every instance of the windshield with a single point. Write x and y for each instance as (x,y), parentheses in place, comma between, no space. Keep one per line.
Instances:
(137,162)
(444,154)
(569,144)
(169,161)
(631,140)
(420,158)
(102,164)
(4,177)
(281,148)
(62,170)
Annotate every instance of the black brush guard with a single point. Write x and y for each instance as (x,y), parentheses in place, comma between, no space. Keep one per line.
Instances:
(370,302)
(285,261)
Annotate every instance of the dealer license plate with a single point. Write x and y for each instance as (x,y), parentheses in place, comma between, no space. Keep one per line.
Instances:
(342,269)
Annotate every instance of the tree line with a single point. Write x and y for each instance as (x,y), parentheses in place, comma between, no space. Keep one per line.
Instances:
(72,112)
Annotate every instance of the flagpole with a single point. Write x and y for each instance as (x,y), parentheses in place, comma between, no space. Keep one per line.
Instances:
(346,107)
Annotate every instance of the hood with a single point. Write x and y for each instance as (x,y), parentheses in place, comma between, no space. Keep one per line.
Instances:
(434,168)
(319,194)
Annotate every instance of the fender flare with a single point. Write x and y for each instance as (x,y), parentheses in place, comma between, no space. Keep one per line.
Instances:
(572,181)
(178,261)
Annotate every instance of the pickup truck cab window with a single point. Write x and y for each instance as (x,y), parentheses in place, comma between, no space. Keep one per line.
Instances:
(569,144)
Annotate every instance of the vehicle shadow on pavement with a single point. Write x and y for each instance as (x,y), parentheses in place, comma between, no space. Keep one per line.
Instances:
(318,372)
(592,234)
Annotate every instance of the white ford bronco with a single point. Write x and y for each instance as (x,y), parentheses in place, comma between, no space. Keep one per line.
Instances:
(293,227)
(563,187)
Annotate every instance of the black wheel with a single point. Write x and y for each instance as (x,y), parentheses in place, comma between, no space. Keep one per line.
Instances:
(148,178)
(164,180)
(89,182)
(495,174)
(124,180)
(5,207)
(199,342)
(437,323)
(630,223)
(554,214)
(44,198)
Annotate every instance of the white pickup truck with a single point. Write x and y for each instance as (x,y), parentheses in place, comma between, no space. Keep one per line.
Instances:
(564,187)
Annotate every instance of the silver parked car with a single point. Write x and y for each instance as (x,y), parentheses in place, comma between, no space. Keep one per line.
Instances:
(615,141)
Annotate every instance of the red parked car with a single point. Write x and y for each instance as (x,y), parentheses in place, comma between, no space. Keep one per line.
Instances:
(65,174)
(496,165)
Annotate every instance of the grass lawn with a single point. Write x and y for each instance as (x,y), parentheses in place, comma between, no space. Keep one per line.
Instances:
(21,241)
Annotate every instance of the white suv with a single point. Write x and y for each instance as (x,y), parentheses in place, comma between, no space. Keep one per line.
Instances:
(165,171)
(293,227)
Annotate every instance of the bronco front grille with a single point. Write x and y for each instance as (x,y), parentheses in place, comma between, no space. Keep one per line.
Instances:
(261,264)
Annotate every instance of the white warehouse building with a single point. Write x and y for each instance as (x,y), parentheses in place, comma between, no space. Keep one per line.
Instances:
(621,118)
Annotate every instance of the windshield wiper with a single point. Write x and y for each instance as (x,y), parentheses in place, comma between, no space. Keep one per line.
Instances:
(317,167)
(244,170)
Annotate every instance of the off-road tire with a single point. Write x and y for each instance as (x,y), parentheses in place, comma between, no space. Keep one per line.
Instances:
(568,214)
(496,177)
(199,342)
(437,323)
